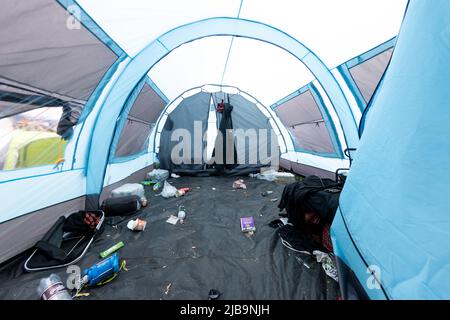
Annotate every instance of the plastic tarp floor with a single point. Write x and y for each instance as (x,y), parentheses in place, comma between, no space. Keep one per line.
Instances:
(208,251)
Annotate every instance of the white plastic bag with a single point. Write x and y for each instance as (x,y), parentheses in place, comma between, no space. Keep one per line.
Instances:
(129,189)
(168,190)
(273,175)
(158,175)
(269,175)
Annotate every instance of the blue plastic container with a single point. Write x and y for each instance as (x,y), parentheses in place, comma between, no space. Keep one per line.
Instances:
(102,270)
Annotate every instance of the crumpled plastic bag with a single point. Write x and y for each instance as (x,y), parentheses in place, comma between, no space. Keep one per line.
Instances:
(168,190)
(269,175)
(158,175)
(328,264)
(275,176)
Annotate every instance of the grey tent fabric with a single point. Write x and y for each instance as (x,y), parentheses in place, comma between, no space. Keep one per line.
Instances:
(190,110)
(246,116)
(18,99)
(368,74)
(301,109)
(148,105)
(134,138)
(39,53)
(313,137)
(304,120)
(141,120)
(14,100)
(34,225)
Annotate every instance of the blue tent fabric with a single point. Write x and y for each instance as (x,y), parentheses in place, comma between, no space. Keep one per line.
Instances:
(394,205)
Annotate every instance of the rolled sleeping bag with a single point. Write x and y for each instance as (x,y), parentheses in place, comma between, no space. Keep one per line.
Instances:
(121,206)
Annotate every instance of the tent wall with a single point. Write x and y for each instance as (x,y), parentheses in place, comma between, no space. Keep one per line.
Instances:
(316,131)
(22,233)
(246,116)
(305,170)
(394,207)
(67,65)
(121,170)
(191,115)
(368,74)
(136,122)
(363,73)
(248,113)
(44,64)
(370,66)
(134,177)
(65,70)
(308,123)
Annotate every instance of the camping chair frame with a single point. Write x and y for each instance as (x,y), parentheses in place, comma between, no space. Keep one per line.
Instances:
(97,228)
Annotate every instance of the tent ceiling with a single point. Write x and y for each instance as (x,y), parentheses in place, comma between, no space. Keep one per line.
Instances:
(352,27)
(134,23)
(265,71)
(335,30)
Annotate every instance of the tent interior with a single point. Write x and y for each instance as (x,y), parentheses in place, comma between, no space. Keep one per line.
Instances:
(97,94)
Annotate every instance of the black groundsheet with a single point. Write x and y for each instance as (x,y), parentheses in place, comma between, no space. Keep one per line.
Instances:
(208,251)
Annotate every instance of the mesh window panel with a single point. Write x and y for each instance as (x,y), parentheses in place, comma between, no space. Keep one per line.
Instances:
(133,139)
(148,105)
(368,74)
(313,137)
(301,109)
(302,116)
(141,119)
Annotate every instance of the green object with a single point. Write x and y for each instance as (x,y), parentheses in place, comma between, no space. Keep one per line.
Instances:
(147,183)
(157,186)
(33,148)
(114,248)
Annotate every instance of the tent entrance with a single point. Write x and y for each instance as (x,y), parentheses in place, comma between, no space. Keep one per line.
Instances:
(217,134)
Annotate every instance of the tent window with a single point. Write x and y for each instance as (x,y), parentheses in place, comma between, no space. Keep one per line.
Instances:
(141,120)
(368,74)
(302,116)
(29,139)
(134,138)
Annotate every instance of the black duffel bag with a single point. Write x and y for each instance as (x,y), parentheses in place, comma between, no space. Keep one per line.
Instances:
(313,194)
(121,206)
